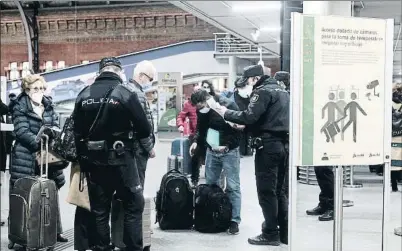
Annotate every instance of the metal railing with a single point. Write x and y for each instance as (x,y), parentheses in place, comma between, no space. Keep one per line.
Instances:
(307,176)
(227,43)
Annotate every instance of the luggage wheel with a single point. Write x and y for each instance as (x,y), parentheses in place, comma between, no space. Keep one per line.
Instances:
(10,245)
(147,248)
(50,249)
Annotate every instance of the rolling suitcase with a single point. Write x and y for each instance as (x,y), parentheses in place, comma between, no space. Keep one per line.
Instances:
(118,224)
(181,149)
(34,204)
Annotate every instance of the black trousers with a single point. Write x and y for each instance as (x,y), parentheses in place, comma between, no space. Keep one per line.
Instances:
(325,179)
(271,171)
(84,229)
(196,160)
(141,160)
(395,175)
(103,182)
(244,146)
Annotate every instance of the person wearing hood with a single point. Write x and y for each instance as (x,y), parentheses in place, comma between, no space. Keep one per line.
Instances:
(30,110)
(268,116)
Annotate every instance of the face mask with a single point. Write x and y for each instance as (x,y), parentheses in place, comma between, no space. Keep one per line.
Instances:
(36,97)
(204,110)
(246,91)
(146,85)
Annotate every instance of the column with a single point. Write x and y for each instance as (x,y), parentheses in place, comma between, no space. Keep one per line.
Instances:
(232,72)
(287,8)
(326,8)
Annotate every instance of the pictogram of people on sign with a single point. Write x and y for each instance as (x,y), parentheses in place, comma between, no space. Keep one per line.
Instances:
(337,112)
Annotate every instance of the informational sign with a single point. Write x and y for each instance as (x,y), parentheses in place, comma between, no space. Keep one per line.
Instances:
(343,90)
(170,89)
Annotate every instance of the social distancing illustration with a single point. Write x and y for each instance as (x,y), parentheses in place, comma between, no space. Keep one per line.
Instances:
(341,115)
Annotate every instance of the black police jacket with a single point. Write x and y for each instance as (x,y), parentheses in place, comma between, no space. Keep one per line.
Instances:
(268,111)
(229,136)
(122,113)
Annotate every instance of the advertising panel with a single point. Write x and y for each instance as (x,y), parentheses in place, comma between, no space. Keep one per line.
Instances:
(169,99)
(342,91)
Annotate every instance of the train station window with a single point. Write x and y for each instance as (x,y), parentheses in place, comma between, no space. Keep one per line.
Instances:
(61,64)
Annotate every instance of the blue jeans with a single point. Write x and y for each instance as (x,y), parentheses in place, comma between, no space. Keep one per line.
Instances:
(230,163)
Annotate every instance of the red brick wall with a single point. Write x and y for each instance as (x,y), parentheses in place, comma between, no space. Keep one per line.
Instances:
(76,35)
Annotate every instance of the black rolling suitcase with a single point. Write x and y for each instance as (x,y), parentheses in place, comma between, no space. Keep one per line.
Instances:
(34,204)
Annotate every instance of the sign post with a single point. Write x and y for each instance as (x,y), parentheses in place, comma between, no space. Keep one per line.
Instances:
(340,102)
(170,92)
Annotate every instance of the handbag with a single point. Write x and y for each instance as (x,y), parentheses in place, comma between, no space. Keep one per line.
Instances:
(55,162)
(64,144)
(78,192)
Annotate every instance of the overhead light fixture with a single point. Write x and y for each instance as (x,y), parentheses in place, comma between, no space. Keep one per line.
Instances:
(255,35)
(270,29)
(256,6)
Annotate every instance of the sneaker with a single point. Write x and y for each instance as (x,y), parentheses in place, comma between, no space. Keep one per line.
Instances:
(262,240)
(233,228)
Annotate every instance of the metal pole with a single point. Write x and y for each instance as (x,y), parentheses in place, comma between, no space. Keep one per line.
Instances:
(385,205)
(338,221)
(352,182)
(27,32)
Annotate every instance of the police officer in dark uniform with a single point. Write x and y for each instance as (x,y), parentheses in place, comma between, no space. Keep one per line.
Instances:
(108,118)
(268,115)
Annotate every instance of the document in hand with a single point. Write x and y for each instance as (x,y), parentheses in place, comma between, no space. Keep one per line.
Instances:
(213,138)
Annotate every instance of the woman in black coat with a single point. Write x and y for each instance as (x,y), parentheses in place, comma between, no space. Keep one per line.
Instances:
(30,110)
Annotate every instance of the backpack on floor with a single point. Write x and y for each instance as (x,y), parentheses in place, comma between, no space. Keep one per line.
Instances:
(174,202)
(213,210)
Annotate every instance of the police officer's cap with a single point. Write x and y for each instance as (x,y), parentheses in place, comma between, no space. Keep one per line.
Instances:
(251,71)
(282,76)
(240,82)
(108,62)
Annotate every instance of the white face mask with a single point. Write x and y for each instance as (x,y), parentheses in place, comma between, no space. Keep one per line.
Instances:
(246,91)
(205,110)
(36,97)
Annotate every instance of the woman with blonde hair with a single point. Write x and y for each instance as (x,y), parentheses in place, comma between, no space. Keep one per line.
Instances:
(30,110)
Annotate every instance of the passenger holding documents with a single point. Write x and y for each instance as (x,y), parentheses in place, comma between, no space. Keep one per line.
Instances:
(222,141)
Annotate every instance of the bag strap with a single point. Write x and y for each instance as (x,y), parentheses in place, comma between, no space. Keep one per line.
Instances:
(101,108)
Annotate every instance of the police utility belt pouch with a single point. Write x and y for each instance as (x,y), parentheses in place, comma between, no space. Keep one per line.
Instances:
(97,146)
(95,151)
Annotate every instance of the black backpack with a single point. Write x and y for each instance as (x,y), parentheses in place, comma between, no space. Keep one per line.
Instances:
(175,202)
(213,210)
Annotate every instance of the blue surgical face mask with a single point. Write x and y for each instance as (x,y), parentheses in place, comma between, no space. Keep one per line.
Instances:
(147,85)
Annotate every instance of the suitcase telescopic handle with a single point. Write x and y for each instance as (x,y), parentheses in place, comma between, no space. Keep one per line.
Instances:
(44,141)
(181,144)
